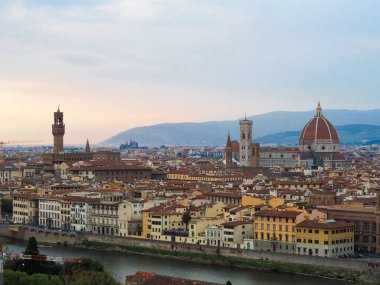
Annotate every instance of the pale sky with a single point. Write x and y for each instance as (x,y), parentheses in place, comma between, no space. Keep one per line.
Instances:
(112,65)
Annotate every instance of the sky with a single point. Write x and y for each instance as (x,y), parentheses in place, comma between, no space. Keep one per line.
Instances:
(113,65)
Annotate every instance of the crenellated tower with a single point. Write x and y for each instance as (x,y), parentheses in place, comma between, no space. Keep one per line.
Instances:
(58,129)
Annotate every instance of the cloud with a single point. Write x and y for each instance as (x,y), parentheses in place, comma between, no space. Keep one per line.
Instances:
(80,59)
(190,55)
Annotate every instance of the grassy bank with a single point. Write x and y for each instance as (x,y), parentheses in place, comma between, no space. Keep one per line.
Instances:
(316,271)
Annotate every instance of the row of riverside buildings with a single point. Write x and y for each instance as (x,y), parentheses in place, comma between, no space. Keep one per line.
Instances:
(252,227)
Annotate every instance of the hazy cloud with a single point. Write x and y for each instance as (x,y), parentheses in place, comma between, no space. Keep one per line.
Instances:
(181,55)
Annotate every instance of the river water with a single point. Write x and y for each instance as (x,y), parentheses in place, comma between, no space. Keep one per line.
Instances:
(123,264)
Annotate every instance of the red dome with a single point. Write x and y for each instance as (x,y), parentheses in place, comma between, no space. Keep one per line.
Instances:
(318,128)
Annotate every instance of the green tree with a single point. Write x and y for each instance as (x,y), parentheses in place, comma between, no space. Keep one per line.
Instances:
(186,218)
(86,265)
(228,282)
(90,278)
(32,247)
(6,206)
(21,278)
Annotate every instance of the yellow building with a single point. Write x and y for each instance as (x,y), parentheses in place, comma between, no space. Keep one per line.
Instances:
(275,230)
(146,223)
(328,238)
(188,176)
(157,220)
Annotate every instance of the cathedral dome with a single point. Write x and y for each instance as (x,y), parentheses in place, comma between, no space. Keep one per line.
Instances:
(318,130)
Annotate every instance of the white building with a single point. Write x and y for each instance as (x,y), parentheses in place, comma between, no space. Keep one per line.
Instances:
(50,212)
(80,214)
(234,233)
(8,173)
(129,217)
(104,218)
(213,235)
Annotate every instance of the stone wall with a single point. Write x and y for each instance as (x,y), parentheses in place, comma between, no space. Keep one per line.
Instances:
(42,236)
(351,264)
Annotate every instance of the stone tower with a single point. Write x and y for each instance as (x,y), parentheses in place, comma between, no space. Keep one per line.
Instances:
(245,142)
(255,155)
(228,152)
(58,129)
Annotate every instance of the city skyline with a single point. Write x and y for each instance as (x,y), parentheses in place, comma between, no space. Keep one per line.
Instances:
(111,64)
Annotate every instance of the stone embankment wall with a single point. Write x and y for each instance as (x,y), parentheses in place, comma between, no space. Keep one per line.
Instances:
(42,236)
(351,264)
(54,237)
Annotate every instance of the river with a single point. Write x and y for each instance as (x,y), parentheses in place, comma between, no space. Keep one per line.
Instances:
(123,264)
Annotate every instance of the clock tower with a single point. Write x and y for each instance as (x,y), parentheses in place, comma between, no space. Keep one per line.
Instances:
(58,129)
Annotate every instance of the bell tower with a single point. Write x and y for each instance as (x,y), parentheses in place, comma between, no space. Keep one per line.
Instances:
(58,129)
(246,142)
(228,152)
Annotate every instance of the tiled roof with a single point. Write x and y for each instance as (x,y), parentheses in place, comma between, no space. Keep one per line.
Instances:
(329,224)
(279,214)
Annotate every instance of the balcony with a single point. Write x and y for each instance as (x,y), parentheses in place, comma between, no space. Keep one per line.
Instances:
(179,233)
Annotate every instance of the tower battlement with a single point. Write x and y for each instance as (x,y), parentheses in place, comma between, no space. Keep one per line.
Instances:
(58,130)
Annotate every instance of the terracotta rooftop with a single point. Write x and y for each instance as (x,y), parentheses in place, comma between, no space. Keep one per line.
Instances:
(145,278)
(280,214)
(326,224)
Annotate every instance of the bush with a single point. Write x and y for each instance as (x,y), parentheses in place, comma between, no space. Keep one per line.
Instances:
(86,265)
(89,278)
(22,278)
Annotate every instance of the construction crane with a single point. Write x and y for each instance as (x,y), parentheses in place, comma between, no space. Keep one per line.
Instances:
(2,143)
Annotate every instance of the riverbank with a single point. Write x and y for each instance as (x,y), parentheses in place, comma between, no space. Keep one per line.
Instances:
(347,276)
(353,271)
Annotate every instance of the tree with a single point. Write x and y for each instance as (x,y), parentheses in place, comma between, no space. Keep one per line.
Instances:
(32,247)
(90,277)
(6,206)
(186,218)
(228,282)
(21,278)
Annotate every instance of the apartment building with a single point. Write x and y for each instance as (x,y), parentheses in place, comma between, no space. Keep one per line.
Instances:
(327,238)
(104,218)
(50,212)
(276,230)
(25,209)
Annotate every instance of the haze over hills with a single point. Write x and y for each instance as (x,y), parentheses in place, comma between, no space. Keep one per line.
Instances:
(279,127)
(348,135)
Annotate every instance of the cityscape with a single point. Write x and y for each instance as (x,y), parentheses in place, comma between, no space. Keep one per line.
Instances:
(195,184)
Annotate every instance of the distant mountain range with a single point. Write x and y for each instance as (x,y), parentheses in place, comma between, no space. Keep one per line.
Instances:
(275,128)
(348,135)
